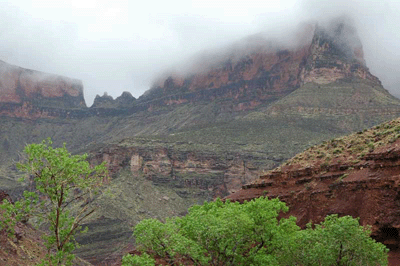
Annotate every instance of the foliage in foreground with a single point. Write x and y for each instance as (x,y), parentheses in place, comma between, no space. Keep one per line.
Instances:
(338,241)
(143,260)
(219,233)
(61,180)
(16,212)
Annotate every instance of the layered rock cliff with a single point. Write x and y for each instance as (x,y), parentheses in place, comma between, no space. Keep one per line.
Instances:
(32,94)
(254,72)
(357,175)
(261,72)
(126,100)
(194,174)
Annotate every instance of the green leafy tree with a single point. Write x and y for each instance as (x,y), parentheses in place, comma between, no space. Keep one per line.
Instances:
(226,233)
(233,233)
(62,181)
(19,211)
(220,233)
(337,241)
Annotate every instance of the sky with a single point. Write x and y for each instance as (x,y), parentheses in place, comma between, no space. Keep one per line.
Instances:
(121,45)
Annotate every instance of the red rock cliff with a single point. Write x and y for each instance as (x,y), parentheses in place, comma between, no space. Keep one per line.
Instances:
(258,71)
(358,175)
(32,94)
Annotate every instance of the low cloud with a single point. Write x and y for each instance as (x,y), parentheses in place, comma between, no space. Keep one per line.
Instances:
(123,45)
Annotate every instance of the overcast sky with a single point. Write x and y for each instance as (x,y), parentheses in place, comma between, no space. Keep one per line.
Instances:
(121,45)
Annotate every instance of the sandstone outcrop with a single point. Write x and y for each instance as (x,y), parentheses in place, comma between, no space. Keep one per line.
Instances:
(32,94)
(254,72)
(126,100)
(190,173)
(265,73)
(358,175)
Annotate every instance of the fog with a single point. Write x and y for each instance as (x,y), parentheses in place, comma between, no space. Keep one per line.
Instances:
(121,45)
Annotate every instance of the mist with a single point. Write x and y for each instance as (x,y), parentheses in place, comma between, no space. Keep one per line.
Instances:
(122,45)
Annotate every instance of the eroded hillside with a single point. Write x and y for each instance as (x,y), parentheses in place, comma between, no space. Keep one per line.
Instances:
(357,175)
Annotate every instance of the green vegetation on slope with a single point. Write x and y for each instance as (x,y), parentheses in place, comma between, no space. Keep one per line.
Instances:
(349,148)
(339,97)
(219,233)
(129,200)
(61,180)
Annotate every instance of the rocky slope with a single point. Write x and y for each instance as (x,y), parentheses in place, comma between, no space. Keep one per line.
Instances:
(357,175)
(26,246)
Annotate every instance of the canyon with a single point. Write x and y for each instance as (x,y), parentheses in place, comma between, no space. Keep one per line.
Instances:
(205,133)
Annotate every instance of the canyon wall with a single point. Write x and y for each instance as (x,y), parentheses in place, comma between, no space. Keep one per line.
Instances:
(357,175)
(33,94)
(253,72)
(190,173)
(265,72)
